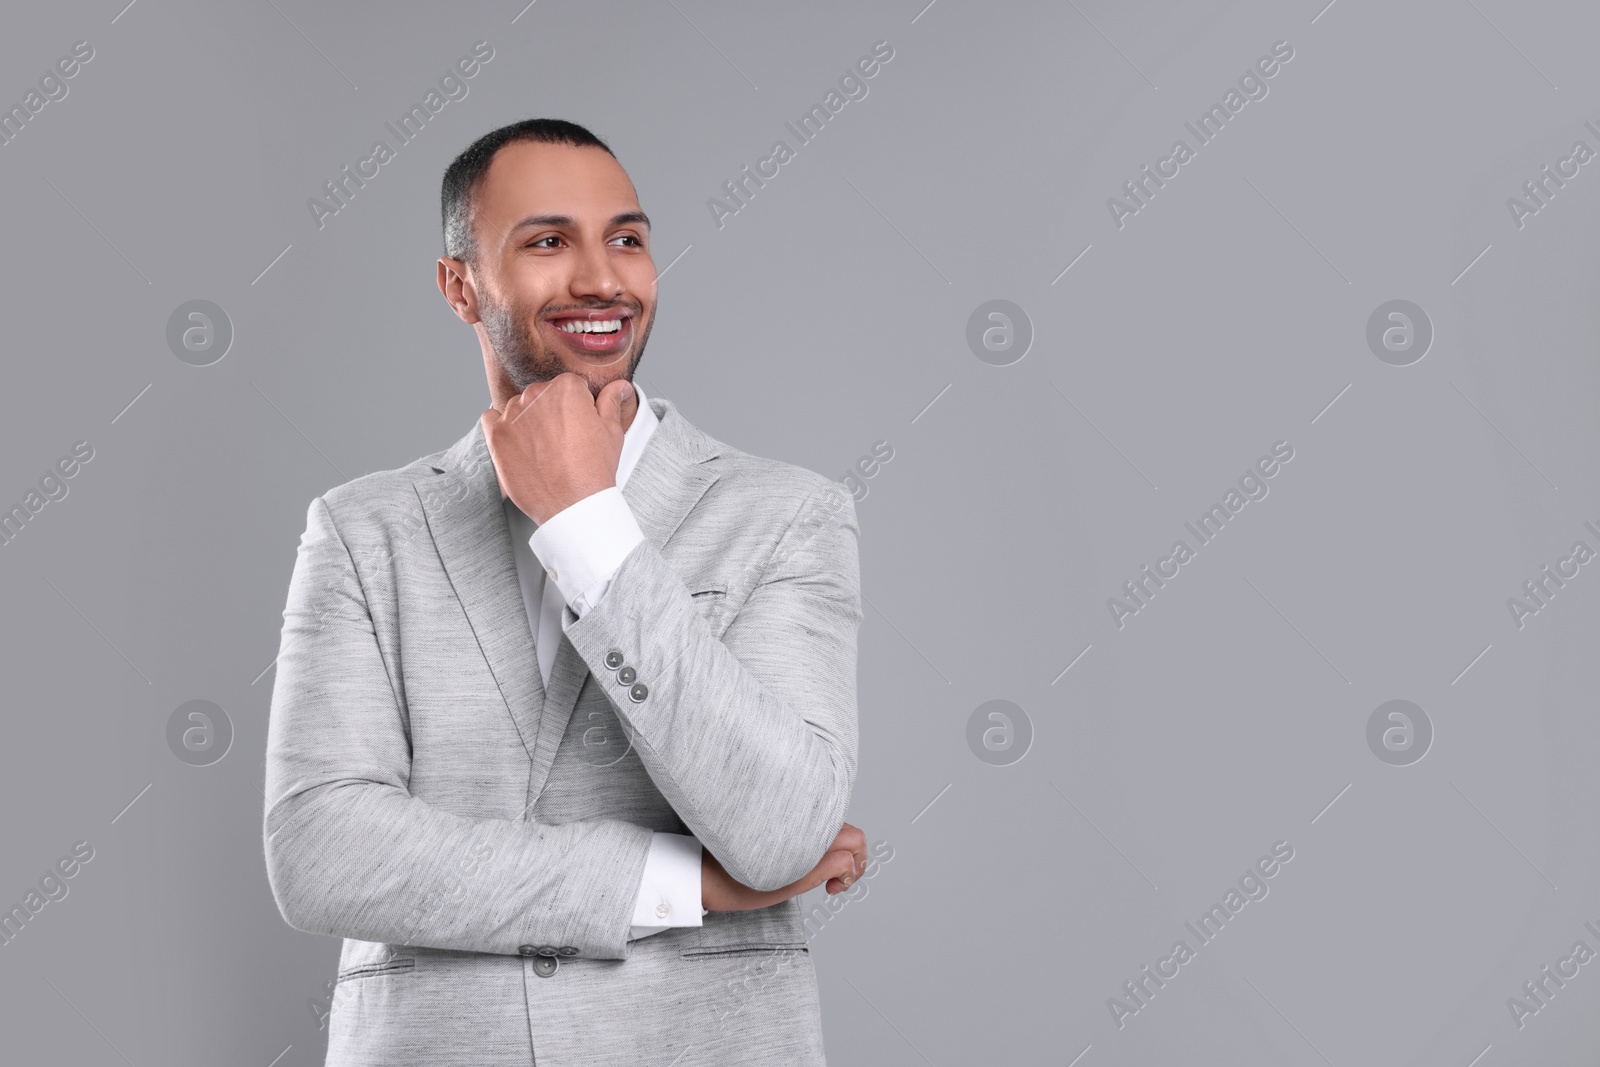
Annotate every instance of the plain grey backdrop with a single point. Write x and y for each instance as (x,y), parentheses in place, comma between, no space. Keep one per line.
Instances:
(1045,850)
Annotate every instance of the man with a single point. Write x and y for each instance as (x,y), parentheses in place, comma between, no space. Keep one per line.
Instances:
(564,718)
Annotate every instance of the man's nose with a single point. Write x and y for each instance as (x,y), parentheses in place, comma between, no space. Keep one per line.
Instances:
(595,276)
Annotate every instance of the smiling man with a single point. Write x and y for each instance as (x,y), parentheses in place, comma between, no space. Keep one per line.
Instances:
(564,718)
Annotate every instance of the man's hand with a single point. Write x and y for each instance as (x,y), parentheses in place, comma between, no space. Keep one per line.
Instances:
(555,443)
(839,867)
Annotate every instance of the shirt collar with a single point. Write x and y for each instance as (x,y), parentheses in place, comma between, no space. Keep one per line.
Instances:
(634,438)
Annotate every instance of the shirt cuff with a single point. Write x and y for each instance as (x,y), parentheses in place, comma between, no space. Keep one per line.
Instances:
(582,545)
(669,891)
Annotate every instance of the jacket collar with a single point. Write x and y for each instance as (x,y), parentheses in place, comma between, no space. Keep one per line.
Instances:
(462,502)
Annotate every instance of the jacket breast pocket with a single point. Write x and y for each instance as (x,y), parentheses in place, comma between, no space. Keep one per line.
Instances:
(397,966)
(762,931)
(712,603)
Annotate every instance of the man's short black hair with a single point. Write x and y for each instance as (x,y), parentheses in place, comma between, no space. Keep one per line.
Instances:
(466,171)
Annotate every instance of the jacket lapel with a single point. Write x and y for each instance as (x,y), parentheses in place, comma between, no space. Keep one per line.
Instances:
(466,517)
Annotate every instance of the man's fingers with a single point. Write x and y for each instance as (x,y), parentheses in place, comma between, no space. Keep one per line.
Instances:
(855,841)
(524,401)
(846,872)
(490,421)
(841,865)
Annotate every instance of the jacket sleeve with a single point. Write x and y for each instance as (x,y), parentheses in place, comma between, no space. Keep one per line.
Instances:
(751,738)
(351,853)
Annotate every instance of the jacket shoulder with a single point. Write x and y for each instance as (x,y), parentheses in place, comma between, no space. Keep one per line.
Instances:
(771,484)
(738,531)
(380,492)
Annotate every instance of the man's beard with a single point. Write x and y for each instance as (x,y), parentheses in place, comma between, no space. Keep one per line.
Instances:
(526,359)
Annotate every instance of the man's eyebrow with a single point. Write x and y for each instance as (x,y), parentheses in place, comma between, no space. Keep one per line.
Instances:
(567,220)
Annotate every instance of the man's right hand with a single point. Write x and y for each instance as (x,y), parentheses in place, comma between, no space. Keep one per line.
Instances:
(839,867)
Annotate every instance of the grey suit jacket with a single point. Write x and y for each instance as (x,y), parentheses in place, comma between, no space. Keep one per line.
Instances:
(478,842)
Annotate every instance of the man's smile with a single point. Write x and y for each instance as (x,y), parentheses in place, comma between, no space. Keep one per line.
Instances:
(603,331)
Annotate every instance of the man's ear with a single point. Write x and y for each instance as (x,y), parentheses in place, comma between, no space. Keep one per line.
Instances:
(458,288)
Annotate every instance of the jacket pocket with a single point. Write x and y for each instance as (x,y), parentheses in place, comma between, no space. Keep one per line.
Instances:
(746,950)
(399,965)
(712,603)
(776,930)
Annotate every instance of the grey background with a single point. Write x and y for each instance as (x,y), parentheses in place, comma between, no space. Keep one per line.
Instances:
(828,314)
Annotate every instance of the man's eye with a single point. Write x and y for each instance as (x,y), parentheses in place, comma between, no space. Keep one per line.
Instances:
(630,237)
(542,240)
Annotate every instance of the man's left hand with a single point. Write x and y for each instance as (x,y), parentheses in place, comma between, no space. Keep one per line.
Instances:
(555,443)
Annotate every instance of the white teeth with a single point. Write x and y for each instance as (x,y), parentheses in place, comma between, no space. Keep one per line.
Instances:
(588,326)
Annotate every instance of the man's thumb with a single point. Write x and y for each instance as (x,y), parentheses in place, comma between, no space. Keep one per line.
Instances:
(612,397)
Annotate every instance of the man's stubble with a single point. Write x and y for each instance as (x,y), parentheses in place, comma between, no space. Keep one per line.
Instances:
(525,357)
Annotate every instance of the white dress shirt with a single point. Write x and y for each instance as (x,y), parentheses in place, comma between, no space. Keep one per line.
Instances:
(580,549)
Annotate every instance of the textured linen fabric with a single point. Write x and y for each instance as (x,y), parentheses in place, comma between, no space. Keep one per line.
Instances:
(432,802)
(570,558)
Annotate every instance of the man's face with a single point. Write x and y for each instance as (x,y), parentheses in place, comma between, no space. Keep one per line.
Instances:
(564,276)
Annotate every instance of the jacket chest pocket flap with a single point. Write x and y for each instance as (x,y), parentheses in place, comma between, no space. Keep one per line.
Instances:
(761,930)
(711,600)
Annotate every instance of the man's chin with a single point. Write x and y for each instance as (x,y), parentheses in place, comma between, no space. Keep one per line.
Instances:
(596,377)
(600,376)
(596,386)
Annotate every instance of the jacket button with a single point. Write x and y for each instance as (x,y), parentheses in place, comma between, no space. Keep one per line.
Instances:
(527,950)
(638,693)
(567,950)
(626,675)
(614,659)
(545,966)
(547,950)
